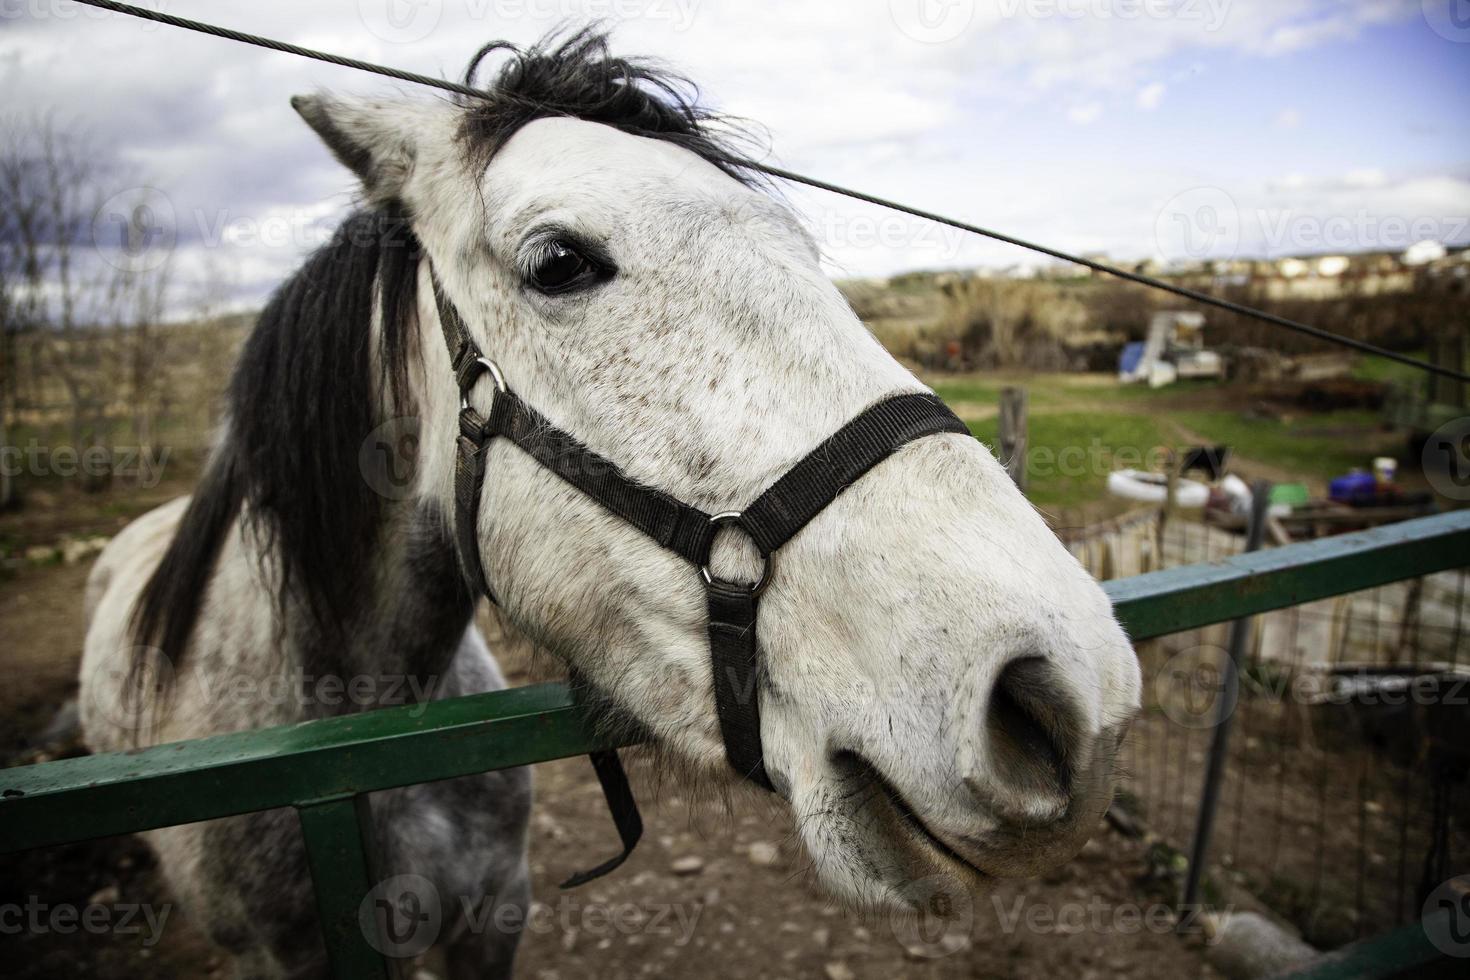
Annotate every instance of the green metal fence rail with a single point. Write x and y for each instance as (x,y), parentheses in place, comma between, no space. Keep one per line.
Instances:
(323,767)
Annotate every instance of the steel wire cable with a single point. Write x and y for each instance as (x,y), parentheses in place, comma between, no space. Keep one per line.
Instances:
(1184,292)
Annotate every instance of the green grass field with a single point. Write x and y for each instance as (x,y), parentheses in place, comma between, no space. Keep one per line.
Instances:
(1314,447)
(1081,427)
(1071,453)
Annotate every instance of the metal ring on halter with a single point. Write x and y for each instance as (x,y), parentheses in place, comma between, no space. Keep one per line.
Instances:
(734,517)
(495,375)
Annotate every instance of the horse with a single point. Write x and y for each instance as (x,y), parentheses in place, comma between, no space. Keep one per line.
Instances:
(943,689)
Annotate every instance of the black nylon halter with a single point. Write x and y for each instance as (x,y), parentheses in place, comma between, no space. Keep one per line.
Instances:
(782,510)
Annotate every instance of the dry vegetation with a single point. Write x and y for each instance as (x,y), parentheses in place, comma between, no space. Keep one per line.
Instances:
(955,321)
(91,373)
(952,322)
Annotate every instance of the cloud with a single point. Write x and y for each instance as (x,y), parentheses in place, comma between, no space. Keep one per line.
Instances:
(1317,24)
(1361,210)
(1362,178)
(1150,96)
(1287,118)
(843,92)
(1084,114)
(1367,177)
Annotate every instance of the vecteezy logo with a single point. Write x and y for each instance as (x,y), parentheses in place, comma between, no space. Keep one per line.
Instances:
(388,458)
(134,230)
(1201,222)
(1450,19)
(932,21)
(401,916)
(1446,459)
(938,919)
(1446,917)
(400,21)
(1196,687)
(123,689)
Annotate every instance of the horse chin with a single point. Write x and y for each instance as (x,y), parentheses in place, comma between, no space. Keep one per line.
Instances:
(873,851)
(868,855)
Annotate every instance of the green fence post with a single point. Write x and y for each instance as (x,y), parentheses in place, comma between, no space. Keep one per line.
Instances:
(339,850)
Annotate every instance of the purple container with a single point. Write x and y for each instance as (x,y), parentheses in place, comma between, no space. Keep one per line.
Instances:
(1355,486)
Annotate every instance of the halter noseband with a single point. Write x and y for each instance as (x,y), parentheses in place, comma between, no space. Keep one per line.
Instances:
(785,507)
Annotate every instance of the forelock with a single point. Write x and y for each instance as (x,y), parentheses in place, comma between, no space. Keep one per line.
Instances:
(577,77)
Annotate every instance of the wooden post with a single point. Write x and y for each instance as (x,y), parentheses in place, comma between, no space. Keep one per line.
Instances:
(1013,434)
(1171,486)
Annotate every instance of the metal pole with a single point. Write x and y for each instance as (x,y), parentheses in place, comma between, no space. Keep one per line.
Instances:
(1224,711)
(341,853)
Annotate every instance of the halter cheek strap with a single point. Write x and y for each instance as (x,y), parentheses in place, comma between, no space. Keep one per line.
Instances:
(776,516)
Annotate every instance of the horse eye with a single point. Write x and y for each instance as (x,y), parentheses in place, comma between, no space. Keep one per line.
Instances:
(561,268)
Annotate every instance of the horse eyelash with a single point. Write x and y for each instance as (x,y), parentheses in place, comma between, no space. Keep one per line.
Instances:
(531,255)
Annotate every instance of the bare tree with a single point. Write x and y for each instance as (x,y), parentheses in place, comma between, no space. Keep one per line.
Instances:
(84,273)
(214,283)
(22,232)
(138,302)
(8,369)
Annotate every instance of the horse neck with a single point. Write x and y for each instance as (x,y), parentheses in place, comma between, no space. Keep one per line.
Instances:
(398,645)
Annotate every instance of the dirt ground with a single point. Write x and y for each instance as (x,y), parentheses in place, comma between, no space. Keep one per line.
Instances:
(710,892)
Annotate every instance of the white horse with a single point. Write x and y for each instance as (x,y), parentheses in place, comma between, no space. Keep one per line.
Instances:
(944,688)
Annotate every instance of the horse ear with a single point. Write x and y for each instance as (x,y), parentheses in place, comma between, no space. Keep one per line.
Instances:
(374,139)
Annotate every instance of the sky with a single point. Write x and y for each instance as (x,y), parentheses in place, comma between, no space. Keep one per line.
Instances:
(1166,129)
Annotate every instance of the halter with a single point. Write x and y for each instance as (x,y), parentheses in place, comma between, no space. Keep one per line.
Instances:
(785,507)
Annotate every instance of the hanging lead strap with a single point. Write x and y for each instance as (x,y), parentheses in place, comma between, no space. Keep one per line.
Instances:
(624,810)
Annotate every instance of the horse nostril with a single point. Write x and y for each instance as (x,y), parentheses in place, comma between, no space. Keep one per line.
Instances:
(1033,729)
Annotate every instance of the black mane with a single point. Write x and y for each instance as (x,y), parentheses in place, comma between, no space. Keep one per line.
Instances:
(305,394)
(301,402)
(578,77)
